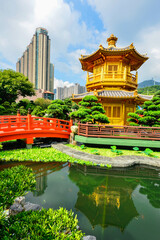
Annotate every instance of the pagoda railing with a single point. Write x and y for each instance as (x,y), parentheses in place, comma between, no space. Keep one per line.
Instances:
(118,76)
(124,132)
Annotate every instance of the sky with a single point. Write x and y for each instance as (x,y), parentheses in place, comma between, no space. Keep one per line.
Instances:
(78,27)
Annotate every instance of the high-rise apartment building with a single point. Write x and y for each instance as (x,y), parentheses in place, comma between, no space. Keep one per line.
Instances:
(35,61)
(66,92)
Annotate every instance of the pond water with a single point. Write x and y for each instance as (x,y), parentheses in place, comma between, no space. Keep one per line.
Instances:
(110,204)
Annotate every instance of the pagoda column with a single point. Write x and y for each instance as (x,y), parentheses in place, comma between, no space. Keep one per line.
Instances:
(87,77)
(102,73)
(125,74)
(136,77)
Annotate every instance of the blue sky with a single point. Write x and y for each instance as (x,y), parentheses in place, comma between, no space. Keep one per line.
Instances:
(78,27)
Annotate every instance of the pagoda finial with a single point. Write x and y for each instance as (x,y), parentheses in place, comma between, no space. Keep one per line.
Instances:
(112,41)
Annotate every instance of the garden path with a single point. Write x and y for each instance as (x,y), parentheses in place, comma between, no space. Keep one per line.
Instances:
(119,161)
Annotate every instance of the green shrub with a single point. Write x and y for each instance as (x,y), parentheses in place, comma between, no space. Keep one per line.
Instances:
(95,151)
(148,151)
(14,182)
(45,224)
(83,146)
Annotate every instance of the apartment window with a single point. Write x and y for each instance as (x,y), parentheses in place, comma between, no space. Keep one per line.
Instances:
(112,68)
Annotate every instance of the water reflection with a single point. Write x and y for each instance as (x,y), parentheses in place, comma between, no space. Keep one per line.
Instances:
(151,188)
(41,170)
(105,200)
(110,204)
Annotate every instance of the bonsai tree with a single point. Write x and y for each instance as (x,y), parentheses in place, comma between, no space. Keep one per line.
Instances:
(59,109)
(90,111)
(149,115)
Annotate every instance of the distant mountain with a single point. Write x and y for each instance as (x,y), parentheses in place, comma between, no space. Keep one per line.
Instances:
(148,83)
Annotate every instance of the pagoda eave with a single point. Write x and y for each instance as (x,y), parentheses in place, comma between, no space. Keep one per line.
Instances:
(128,54)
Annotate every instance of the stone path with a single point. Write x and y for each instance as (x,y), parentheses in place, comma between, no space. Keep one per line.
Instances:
(119,161)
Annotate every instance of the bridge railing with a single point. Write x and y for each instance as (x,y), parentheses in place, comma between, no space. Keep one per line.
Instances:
(15,123)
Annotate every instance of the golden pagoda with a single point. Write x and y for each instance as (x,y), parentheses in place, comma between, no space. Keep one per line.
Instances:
(112,77)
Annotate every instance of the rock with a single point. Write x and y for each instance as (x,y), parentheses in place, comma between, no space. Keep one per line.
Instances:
(74,129)
(31,206)
(15,208)
(20,200)
(89,237)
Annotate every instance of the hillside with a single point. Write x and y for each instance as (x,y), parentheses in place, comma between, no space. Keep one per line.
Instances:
(148,83)
(149,90)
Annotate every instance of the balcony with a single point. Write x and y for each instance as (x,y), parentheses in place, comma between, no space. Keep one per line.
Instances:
(109,79)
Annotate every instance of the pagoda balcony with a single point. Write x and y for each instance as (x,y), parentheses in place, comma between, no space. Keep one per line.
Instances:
(112,79)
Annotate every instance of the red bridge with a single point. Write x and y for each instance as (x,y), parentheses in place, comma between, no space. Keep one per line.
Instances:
(29,127)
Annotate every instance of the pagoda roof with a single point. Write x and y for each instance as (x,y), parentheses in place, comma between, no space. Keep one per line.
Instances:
(114,94)
(128,53)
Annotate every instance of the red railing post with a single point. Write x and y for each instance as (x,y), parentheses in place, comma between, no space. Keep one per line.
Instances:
(18,118)
(29,141)
(18,113)
(29,119)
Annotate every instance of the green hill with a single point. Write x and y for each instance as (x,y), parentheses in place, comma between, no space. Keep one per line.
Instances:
(149,90)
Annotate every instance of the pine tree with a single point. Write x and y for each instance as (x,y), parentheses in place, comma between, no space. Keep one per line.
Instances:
(149,115)
(90,111)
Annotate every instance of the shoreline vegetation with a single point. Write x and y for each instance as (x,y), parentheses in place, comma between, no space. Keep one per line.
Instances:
(43,224)
(52,155)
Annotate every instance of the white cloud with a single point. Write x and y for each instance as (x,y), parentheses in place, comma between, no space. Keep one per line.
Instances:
(115,12)
(149,42)
(5,65)
(66,29)
(61,83)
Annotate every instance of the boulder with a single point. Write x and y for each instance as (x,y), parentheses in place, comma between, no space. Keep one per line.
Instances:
(20,200)
(31,206)
(89,237)
(74,129)
(15,208)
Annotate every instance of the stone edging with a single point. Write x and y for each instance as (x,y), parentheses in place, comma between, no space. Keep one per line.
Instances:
(119,161)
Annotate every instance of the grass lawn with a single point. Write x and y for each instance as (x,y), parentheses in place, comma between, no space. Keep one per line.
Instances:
(108,153)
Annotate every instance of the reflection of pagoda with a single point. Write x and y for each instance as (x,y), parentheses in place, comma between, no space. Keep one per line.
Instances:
(112,77)
(111,197)
(108,206)
(110,201)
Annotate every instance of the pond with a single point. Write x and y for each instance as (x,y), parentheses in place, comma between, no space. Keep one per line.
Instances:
(110,204)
